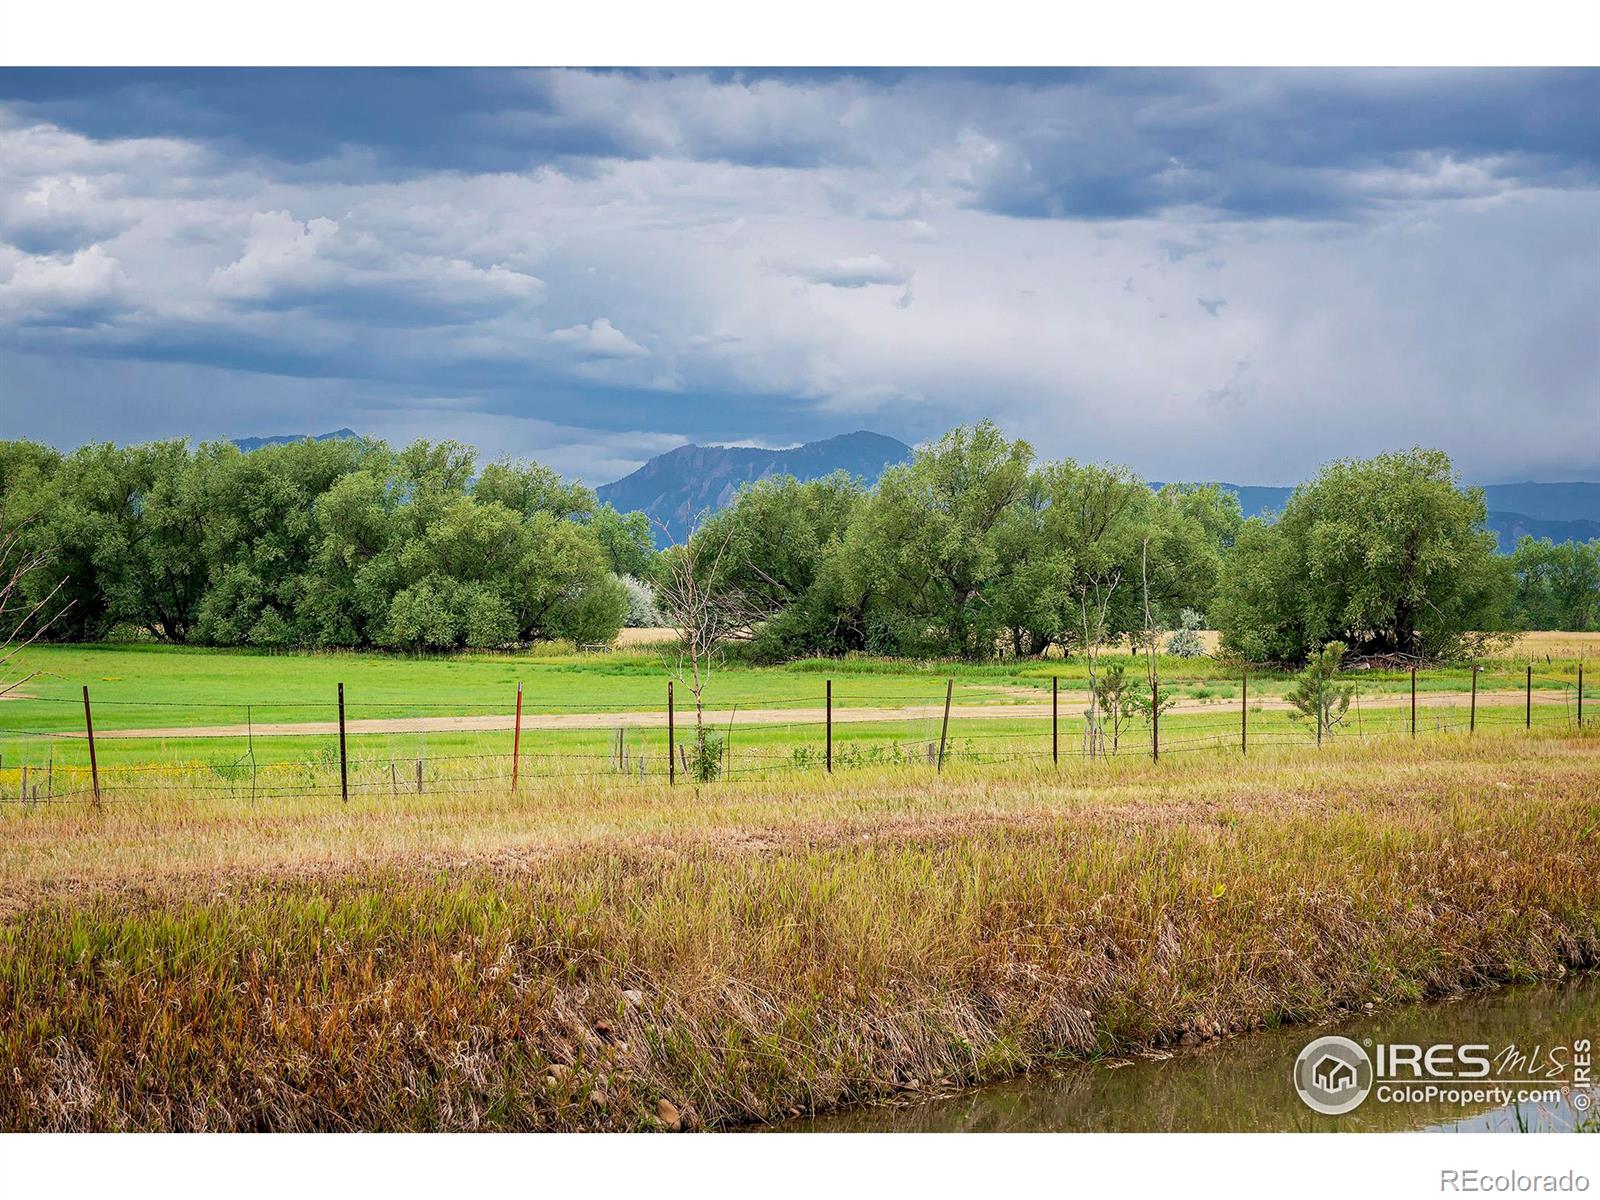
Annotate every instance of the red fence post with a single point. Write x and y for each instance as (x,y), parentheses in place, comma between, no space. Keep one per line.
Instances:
(516,738)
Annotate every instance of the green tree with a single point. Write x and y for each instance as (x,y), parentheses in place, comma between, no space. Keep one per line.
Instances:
(1316,693)
(625,539)
(260,535)
(1385,554)
(125,527)
(777,542)
(528,488)
(1558,585)
(928,547)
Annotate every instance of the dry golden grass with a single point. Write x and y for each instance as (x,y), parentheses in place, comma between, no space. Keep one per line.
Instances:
(1536,645)
(567,958)
(1555,646)
(649,636)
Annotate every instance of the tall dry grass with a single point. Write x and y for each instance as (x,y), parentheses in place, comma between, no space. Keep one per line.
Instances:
(572,959)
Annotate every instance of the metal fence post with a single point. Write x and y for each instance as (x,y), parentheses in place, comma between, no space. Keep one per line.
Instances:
(516,738)
(672,761)
(1580,693)
(829,751)
(344,769)
(1055,718)
(1472,719)
(1413,702)
(1244,713)
(1155,722)
(944,729)
(1527,712)
(88,725)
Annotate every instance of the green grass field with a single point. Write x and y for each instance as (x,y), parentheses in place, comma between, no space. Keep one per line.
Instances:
(172,689)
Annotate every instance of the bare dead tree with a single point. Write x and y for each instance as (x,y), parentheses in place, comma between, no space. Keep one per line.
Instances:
(22,621)
(1150,631)
(1094,604)
(707,613)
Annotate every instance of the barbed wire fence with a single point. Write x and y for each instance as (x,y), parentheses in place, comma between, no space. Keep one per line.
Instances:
(336,753)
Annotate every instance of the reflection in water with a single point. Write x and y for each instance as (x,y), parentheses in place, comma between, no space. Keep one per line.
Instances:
(1243,1083)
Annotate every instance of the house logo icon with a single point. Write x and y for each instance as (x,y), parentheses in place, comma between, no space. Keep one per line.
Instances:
(1333,1075)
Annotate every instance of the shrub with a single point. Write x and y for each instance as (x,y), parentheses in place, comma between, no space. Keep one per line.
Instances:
(642,610)
(1185,641)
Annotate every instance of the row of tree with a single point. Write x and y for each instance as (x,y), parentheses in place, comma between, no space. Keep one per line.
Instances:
(335,543)
(972,549)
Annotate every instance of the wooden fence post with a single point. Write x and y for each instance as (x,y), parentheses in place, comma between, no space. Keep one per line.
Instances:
(344,768)
(1413,702)
(1472,719)
(672,756)
(944,730)
(88,725)
(1155,722)
(516,738)
(1055,719)
(419,777)
(1244,713)
(830,727)
(1527,712)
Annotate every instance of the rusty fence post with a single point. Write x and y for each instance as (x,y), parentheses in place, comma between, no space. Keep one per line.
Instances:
(516,738)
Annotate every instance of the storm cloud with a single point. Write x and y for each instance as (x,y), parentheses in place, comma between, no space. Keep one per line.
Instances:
(1205,274)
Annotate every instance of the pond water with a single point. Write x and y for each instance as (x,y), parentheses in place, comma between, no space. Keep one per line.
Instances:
(1244,1083)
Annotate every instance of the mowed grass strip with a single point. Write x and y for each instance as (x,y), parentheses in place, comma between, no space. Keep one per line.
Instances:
(570,959)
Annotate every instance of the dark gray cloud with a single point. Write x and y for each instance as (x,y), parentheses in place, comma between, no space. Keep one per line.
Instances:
(1117,263)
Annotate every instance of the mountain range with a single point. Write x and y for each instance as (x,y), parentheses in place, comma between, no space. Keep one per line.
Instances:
(675,487)
(284,439)
(1562,512)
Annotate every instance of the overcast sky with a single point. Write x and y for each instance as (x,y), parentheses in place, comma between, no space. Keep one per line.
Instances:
(1203,274)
